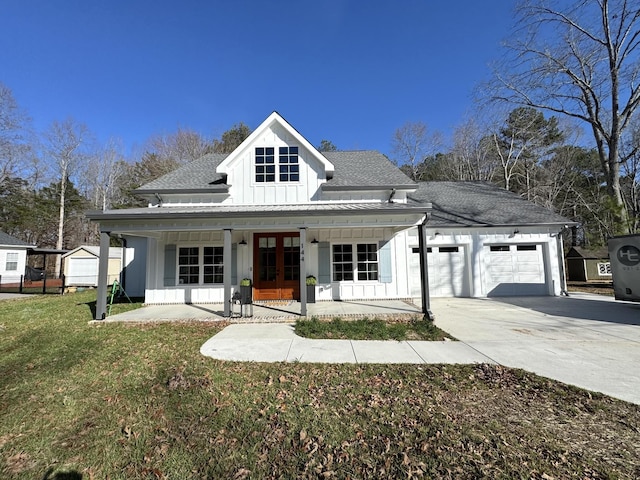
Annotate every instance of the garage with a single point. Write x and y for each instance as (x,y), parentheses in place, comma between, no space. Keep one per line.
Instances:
(448,274)
(516,269)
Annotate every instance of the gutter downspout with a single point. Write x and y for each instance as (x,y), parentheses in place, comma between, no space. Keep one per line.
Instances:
(424,270)
(563,276)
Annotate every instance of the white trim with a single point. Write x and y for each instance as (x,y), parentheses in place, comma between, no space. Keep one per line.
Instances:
(272,119)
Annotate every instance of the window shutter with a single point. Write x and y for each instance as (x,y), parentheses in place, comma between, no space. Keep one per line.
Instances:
(169,265)
(384,262)
(324,262)
(234,264)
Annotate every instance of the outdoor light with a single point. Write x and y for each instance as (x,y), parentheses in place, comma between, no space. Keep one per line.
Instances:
(243,242)
(314,241)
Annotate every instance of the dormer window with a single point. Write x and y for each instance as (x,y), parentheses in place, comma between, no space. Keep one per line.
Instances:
(288,166)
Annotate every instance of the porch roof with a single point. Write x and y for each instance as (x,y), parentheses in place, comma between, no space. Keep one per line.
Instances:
(243,211)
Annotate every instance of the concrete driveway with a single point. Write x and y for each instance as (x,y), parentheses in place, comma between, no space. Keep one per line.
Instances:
(586,340)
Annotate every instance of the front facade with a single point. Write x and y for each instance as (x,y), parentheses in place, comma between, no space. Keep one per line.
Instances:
(13,258)
(276,211)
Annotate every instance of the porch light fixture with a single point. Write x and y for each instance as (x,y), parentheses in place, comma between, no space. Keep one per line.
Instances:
(243,242)
(314,241)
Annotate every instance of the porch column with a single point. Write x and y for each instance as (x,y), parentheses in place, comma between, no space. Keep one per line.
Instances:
(226,275)
(103,267)
(303,273)
(424,272)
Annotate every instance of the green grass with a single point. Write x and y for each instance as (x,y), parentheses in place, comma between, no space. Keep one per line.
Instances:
(140,402)
(370,329)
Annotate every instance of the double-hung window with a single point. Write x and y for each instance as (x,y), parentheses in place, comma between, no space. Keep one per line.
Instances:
(12,262)
(365,266)
(367,261)
(200,265)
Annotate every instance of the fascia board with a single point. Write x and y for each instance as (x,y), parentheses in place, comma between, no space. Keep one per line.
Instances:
(271,119)
(100,216)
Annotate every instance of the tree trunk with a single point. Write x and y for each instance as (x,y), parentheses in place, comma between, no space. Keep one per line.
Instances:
(63,191)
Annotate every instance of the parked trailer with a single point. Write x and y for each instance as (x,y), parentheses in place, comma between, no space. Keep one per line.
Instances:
(624,254)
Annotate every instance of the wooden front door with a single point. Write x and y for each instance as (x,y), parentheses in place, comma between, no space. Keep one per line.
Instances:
(276,266)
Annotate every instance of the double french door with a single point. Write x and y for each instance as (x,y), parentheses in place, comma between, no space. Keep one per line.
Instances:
(276,266)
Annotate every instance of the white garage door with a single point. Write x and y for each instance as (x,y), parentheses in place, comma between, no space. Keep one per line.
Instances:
(82,271)
(447,272)
(514,270)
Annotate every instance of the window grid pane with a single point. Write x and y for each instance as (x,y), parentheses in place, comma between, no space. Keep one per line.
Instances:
(342,263)
(367,261)
(265,164)
(288,160)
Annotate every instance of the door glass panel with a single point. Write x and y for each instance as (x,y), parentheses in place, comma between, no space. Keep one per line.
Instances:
(267,247)
(291,258)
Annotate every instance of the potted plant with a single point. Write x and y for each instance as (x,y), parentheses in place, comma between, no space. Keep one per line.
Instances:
(246,291)
(311,289)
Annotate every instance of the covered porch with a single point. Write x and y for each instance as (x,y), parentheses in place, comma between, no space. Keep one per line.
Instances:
(280,311)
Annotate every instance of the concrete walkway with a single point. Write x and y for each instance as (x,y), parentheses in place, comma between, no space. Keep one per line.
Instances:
(277,342)
(589,341)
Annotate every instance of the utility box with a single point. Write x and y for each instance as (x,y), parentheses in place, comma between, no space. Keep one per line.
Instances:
(624,254)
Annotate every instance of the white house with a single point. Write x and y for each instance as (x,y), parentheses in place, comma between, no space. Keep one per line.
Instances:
(13,258)
(277,210)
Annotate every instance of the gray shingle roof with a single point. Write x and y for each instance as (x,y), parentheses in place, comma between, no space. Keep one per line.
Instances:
(6,239)
(353,169)
(197,175)
(463,204)
(364,168)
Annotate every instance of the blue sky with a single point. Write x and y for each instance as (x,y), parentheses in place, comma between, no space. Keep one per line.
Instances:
(348,71)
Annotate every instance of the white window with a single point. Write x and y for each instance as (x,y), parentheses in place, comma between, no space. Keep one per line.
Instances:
(12,262)
(200,265)
(604,269)
(364,268)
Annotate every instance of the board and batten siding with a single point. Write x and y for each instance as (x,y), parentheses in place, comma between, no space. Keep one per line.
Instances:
(244,190)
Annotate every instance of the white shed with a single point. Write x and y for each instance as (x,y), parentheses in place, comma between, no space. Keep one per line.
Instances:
(80,265)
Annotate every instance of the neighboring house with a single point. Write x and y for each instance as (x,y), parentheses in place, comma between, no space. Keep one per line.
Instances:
(588,265)
(13,258)
(80,265)
(276,210)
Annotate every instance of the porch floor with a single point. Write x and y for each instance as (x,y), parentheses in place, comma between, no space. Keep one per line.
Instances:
(271,311)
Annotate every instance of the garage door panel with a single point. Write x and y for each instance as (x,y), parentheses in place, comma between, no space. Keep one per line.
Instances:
(515,270)
(447,272)
(82,271)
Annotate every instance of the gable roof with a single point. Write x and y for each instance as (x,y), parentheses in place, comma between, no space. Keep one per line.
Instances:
(276,118)
(8,240)
(467,204)
(364,169)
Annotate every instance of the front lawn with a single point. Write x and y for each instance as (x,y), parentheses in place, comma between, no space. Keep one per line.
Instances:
(370,329)
(140,402)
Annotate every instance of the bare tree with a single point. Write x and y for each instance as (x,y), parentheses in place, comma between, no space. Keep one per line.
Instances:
(180,147)
(106,168)
(65,147)
(412,144)
(582,61)
(13,145)
(472,155)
